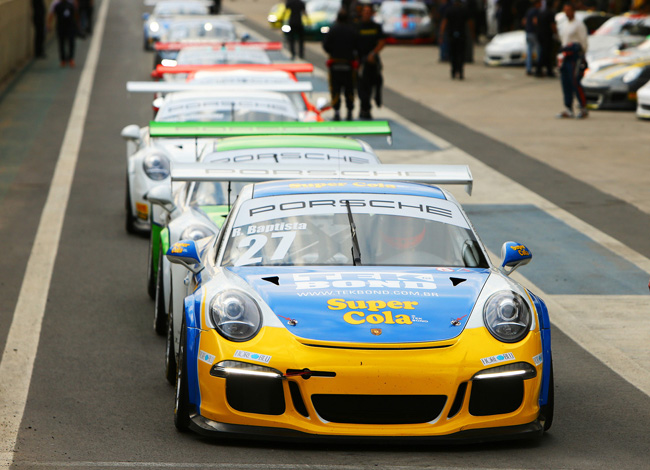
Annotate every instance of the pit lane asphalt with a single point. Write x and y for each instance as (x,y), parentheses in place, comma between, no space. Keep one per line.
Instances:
(98,398)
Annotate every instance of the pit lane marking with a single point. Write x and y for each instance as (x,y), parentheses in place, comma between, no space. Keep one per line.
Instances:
(20,350)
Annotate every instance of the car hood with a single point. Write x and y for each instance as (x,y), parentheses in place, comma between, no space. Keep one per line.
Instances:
(374,305)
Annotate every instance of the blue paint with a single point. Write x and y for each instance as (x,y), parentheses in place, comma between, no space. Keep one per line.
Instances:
(193,334)
(276,188)
(317,297)
(566,261)
(545,327)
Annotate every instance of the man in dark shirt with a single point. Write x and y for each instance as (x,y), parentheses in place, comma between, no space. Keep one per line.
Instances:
(67,21)
(341,46)
(532,44)
(546,29)
(371,42)
(455,25)
(296,32)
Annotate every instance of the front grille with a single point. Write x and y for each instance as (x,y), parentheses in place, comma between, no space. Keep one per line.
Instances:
(591,98)
(515,56)
(252,394)
(618,96)
(379,409)
(645,106)
(496,396)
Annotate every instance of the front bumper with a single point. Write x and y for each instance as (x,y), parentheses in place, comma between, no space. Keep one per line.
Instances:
(606,98)
(504,57)
(369,394)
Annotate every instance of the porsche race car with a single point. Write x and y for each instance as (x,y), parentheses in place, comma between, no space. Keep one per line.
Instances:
(358,306)
(405,22)
(615,87)
(156,23)
(643,102)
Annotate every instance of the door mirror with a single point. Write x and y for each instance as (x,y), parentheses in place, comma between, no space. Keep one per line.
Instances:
(131,132)
(161,195)
(514,255)
(322,103)
(185,253)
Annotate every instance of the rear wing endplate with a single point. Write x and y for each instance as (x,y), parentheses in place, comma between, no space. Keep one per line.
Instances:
(426,174)
(171,87)
(288,67)
(216,44)
(242,128)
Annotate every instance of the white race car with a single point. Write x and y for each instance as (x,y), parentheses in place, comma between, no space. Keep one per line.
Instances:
(643,102)
(156,23)
(148,158)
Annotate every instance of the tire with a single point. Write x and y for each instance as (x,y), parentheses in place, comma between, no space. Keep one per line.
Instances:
(170,354)
(159,315)
(182,396)
(130,218)
(547,410)
(151,276)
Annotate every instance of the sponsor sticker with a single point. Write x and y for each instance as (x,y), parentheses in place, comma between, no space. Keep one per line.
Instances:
(205,357)
(497,359)
(538,359)
(251,356)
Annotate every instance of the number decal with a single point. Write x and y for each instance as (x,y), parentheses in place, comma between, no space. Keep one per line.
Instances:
(256,244)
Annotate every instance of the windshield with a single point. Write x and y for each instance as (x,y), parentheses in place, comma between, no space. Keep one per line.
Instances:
(215,193)
(180,8)
(210,56)
(330,6)
(316,230)
(228,109)
(625,26)
(224,31)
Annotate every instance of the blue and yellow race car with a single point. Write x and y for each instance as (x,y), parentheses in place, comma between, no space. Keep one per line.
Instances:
(358,303)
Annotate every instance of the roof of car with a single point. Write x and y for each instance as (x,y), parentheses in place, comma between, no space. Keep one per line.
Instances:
(334,186)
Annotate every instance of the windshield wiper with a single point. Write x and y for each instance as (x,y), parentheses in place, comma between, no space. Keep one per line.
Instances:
(356,258)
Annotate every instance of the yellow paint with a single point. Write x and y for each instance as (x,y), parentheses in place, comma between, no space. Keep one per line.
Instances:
(178,247)
(142,210)
(521,249)
(371,371)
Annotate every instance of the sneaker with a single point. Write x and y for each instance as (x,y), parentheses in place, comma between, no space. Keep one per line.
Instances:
(565,114)
(64,63)
(71,63)
(337,116)
(582,114)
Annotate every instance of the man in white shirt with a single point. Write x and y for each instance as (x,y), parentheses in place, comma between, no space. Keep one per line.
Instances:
(573,35)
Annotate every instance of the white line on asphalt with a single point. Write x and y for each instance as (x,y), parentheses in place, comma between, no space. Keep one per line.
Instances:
(22,342)
(252,466)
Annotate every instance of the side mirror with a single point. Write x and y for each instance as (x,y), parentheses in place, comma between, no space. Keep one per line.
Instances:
(161,195)
(514,255)
(131,132)
(186,254)
(245,37)
(322,103)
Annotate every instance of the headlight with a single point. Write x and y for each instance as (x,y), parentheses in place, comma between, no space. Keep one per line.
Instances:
(154,27)
(272,18)
(286,28)
(156,166)
(632,75)
(507,316)
(196,232)
(208,26)
(236,315)
(324,29)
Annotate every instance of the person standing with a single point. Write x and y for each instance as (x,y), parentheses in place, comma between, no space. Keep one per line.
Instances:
(546,30)
(67,19)
(573,36)
(532,44)
(371,42)
(455,24)
(296,9)
(86,16)
(341,46)
(38,19)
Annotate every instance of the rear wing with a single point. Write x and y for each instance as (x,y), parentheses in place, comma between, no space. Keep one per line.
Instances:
(238,129)
(294,68)
(426,174)
(171,87)
(217,44)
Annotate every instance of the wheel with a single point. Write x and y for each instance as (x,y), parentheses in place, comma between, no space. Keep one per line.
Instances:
(159,316)
(151,275)
(130,218)
(182,396)
(170,354)
(547,410)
